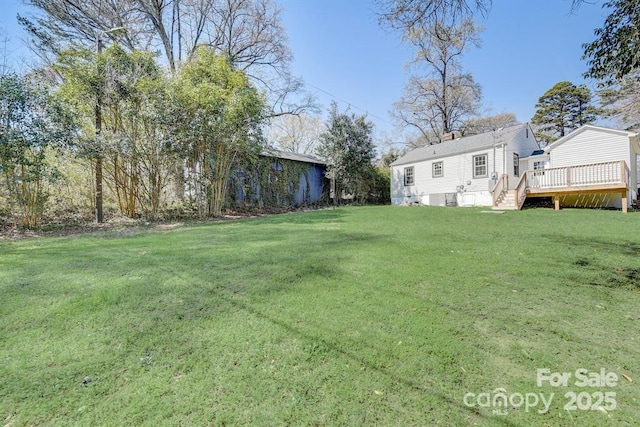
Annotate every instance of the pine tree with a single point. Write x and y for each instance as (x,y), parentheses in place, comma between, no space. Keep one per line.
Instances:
(563,108)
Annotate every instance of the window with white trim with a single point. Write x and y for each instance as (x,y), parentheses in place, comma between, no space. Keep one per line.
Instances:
(409,178)
(538,165)
(516,164)
(480,166)
(438,170)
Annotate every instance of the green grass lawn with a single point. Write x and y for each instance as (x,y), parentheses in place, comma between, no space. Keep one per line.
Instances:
(356,316)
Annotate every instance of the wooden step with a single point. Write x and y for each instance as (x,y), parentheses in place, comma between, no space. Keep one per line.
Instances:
(506,202)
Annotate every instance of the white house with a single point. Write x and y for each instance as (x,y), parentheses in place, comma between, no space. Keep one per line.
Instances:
(461,171)
(591,166)
(591,159)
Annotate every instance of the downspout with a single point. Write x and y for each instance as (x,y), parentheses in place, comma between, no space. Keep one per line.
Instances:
(494,175)
(504,158)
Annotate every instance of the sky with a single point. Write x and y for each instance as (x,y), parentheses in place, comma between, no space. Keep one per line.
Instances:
(527,47)
(343,55)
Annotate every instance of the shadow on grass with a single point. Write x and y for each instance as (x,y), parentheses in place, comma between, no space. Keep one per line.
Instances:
(322,344)
(328,265)
(310,217)
(608,276)
(260,262)
(206,280)
(627,248)
(593,271)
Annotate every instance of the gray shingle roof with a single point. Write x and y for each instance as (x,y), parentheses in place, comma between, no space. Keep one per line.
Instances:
(272,152)
(459,145)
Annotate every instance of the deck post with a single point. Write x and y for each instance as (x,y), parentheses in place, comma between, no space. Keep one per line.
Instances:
(556,202)
(624,202)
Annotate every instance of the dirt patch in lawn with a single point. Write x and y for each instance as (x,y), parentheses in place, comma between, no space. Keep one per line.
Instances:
(611,277)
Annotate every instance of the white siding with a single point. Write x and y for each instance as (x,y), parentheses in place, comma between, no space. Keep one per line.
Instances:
(528,163)
(591,146)
(401,193)
(587,146)
(523,144)
(597,146)
(457,173)
(638,170)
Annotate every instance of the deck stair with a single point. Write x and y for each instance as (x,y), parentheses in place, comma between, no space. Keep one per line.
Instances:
(506,201)
(503,198)
(561,182)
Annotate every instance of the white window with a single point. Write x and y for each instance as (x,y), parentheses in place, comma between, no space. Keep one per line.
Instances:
(408,176)
(516,164)
(438,170)
(480,166)
(538,168)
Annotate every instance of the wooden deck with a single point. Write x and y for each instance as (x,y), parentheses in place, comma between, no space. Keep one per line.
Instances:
(598,178)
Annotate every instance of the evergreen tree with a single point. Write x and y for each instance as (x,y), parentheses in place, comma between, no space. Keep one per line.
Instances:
(32,124)
(348,147)
(563,108)
(622,100)
(616,51)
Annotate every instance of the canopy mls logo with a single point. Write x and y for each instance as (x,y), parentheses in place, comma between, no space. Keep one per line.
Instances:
(500,402)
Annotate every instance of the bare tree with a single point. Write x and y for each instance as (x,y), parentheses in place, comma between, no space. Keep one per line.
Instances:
(440,102)
(60,23)
(248,32)
(298,134)
(404,15)
(251,35)
(483,124)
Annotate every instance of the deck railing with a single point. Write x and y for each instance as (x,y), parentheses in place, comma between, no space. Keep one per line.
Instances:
(578,176)
(521,191)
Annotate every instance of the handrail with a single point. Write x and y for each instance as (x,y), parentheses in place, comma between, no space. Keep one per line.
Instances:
(625,173)
(521,191)
(501,185)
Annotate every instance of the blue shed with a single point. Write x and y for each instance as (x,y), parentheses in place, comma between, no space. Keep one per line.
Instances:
(281,179)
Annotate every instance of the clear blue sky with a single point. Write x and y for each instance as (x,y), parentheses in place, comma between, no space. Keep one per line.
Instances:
(527,47)
(339,49)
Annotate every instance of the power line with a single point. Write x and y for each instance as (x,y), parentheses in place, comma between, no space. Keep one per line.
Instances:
(350,104)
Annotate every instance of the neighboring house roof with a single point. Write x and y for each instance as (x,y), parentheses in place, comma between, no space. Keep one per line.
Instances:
(584,128)
(272,152)
(535,153)
(460,145)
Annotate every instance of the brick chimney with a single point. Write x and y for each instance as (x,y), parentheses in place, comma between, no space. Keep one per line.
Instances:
(448,136)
